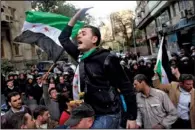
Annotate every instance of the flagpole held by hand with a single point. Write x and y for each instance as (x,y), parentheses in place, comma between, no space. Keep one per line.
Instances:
(51,67)
(55,61)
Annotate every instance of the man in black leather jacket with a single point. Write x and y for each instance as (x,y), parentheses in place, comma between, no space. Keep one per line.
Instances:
(100,75)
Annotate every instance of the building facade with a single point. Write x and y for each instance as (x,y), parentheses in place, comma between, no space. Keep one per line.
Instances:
(12,19)
(174,19)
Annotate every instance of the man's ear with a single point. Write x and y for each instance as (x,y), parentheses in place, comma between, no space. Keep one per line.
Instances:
(94,39)
(9,104)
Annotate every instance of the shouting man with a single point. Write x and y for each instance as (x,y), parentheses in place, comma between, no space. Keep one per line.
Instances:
(100,75)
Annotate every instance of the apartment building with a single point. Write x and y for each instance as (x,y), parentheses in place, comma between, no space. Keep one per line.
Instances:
(12,19)
(174,19)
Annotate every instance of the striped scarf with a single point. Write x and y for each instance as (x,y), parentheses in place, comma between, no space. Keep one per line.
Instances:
(76,88)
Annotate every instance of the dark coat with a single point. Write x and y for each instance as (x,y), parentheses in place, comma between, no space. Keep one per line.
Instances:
(101,74)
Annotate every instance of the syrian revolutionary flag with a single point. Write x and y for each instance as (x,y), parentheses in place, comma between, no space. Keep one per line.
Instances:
(43,29)
(162,65)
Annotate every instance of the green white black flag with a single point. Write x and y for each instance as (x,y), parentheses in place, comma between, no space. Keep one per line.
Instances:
(43,30)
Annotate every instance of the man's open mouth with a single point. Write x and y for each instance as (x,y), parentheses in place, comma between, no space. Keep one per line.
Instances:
(79,42)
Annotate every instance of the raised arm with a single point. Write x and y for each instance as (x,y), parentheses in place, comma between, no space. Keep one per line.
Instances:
(64,37)
(156,83)
(46,97)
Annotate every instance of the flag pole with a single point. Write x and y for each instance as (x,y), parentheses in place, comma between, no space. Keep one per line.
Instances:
(55,61)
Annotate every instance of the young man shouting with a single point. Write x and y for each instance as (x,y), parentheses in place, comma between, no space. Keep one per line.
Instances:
(100,75)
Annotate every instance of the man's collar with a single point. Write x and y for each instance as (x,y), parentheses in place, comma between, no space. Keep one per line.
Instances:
(40,84)
(41,126)
(44,126)
(182,90)
(21,110)
(11,88)
(151,93)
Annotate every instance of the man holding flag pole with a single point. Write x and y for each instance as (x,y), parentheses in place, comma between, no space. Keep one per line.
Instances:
(98,76)
(181,93)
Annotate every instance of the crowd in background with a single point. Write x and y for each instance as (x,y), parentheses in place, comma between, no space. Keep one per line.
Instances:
(44,103)
(133,64)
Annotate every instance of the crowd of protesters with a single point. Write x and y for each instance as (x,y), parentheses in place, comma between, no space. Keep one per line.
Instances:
(32,102)
(110,100)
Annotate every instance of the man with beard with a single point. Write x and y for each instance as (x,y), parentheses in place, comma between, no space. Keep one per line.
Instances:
(100,76)
(42,118)
(182,95)
(15,102)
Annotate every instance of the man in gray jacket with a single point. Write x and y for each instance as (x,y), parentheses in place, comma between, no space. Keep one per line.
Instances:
(155,109)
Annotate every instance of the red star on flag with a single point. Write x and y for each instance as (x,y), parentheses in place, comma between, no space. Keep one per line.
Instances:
(75,75)
(75,87)
(46,29)
(34,26)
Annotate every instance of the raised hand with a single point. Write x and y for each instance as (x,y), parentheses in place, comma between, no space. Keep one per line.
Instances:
(82,12)
(44,78)
(78,16)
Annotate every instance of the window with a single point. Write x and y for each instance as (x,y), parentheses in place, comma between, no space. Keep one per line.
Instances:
(2,48)
(16,47)
(6,17)
(158,22)
(177,8)
(164,17)
(12,12)
(183,4)
(174,10)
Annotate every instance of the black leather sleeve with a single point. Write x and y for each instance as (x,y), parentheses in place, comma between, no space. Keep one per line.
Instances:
(119,79)
(67,44)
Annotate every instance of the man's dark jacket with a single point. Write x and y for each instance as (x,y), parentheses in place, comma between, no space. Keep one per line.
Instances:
(100,75)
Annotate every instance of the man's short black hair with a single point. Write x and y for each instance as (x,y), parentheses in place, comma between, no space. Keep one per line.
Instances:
(185,77)
(39,111)
(12,94)
(95,32)
(51,90)
(17,120)
(141,77)
(61,76)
